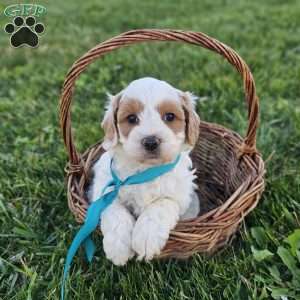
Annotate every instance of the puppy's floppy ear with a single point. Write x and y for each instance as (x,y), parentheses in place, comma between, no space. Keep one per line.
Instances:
(192,120)
(109,122)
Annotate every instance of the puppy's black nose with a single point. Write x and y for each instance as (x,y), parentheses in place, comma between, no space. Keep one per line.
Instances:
(150,143)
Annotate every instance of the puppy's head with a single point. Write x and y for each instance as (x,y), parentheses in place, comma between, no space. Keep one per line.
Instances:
(151,121)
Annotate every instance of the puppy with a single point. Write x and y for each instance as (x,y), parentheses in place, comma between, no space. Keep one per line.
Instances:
(146,124)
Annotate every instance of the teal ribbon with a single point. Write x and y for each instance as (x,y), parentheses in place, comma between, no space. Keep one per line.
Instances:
(94,211)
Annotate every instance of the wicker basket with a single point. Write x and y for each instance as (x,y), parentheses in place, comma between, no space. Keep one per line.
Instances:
(229,169)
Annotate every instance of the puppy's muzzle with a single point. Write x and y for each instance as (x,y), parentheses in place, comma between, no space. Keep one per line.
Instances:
(151,143)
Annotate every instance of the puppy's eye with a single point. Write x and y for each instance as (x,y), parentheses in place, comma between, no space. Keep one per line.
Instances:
(132,119)
(169,117)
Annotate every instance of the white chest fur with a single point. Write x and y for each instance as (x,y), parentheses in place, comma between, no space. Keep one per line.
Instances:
(176,185)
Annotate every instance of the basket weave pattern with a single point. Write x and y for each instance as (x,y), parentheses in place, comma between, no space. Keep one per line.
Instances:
(230,171)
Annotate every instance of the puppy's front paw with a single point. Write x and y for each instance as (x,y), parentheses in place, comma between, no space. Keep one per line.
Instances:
(148,238)
(116,249)
(117,225)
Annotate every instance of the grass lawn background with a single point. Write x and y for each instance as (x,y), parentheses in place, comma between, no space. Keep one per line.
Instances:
(36,227)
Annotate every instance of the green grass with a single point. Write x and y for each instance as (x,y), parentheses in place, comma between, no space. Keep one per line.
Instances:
(36,226)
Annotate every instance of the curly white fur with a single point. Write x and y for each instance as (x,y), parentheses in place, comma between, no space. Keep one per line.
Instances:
(140,219)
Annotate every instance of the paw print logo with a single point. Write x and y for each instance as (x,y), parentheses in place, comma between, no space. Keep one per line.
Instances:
(24,32)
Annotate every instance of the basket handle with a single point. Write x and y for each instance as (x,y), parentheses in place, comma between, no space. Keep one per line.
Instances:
(136,36)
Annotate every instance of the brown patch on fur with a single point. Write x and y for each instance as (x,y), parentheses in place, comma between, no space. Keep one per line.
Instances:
(128,107)
(192,119)
(168,106)
(109,123)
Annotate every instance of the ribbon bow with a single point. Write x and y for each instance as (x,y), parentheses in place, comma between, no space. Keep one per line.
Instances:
(96,208)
